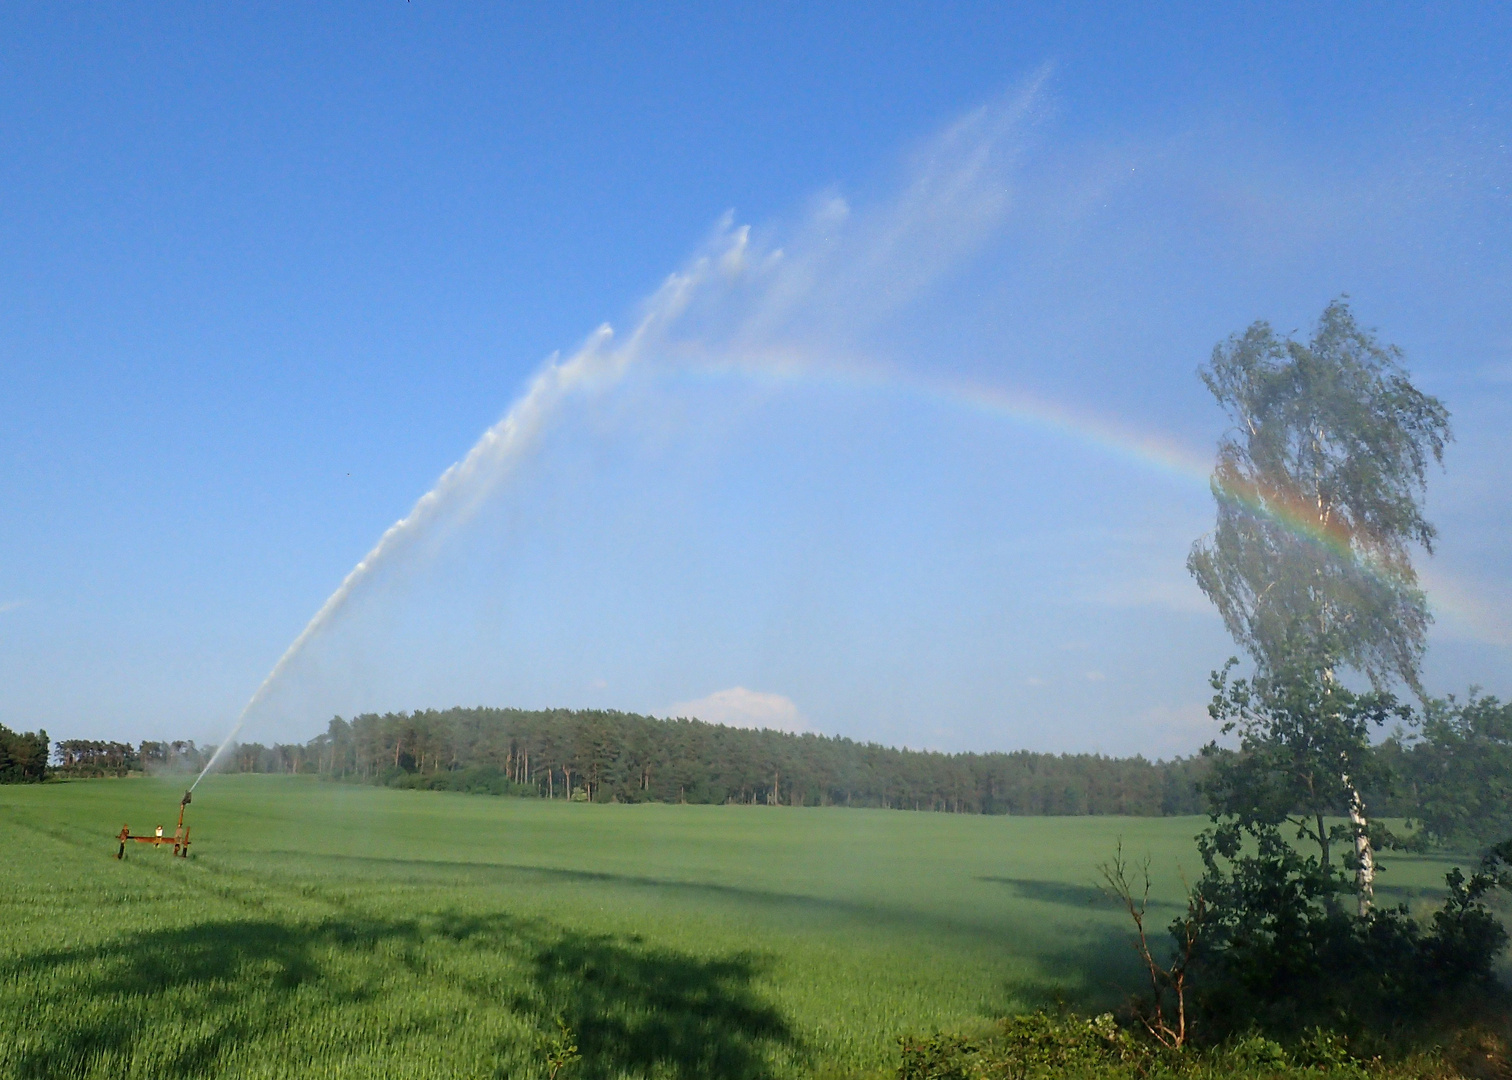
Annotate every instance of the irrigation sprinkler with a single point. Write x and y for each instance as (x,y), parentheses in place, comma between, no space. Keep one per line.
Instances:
(179,839)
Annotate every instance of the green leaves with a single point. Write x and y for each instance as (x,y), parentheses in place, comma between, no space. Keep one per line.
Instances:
(23,756)
(1461,772)
(1319,487)
(1304,748)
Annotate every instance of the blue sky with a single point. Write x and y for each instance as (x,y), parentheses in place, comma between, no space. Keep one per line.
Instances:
(266,273)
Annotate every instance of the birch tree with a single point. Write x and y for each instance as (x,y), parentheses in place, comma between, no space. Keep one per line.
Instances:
(1320,485)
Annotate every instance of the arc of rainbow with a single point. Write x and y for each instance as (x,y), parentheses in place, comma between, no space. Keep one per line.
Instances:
(1288,511)
(1148,450)
(1449,595)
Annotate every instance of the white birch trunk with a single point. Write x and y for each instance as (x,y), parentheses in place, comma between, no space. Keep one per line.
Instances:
(1365,871)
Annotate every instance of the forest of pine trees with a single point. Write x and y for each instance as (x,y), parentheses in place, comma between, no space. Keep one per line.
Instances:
(1449,776)
(609,756)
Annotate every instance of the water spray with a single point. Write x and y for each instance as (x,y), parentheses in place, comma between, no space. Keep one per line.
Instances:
(463,487)
(955,195)
(751,304)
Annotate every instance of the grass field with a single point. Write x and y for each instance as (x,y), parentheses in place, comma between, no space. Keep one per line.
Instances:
(324,930)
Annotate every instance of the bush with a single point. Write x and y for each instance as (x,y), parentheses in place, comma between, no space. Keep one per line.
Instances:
(1029,1047)
(1040,1046)
(940,1056)
(1461,773)
(474,780)
(1279,953)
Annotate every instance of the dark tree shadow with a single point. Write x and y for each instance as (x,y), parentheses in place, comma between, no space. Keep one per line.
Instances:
(1089,969)
(634,1009)
(1416,895)
(652,1011)
(1067,895)
(234,972)
(1054,892)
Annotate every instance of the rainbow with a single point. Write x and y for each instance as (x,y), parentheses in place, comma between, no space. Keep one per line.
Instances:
(1468,604)
(1152,452)
(1462,600)
(1165,456)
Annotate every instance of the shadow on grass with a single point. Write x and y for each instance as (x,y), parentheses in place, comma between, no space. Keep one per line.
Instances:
(1416,895)
(1093,971)
(873,913)
(1055,892)
(1067,895)
(227,985)
(655,1011)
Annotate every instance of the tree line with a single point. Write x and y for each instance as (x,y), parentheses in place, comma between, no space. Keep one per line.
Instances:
(106,757)
(610,756)
(1450,775)
(27,757)
(23,756)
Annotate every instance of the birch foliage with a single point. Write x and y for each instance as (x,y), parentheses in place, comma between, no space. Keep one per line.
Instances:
(1320,485)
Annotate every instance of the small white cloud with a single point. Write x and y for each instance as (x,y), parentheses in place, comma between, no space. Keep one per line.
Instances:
(11,605)
(598,684)
(1034,680)
(1095,676)
(833,210)
(739,707)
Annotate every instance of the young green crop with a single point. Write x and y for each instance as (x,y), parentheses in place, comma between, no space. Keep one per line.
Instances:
(329,930)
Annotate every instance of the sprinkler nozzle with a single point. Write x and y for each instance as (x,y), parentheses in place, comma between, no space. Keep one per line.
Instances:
(187,794)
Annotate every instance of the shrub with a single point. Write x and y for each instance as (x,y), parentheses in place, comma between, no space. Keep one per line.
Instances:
(1045,1047)
(1028,1047)
(1280,954)
(474,780)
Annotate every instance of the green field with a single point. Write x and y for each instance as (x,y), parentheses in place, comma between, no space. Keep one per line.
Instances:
(322,929)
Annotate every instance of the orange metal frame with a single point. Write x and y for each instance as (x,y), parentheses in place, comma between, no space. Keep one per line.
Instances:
(179,839)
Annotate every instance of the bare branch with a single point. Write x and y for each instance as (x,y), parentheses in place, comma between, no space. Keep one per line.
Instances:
(1165,979)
